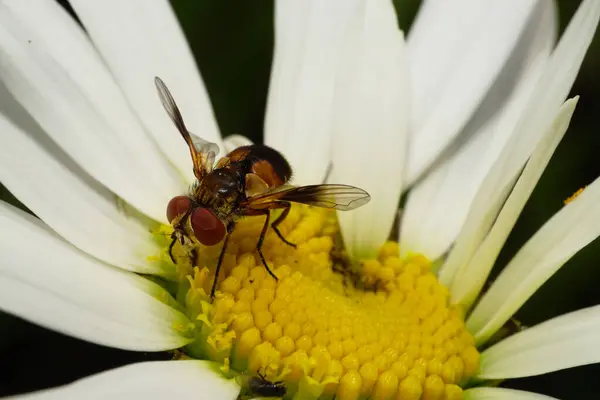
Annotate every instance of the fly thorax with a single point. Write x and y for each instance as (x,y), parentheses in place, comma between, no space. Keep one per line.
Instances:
(220,190)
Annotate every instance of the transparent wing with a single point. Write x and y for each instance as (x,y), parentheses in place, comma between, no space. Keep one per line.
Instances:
(207,151)
(339,197)
(203,152)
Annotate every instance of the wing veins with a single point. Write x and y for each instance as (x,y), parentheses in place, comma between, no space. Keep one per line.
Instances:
(340,197)
(168,102)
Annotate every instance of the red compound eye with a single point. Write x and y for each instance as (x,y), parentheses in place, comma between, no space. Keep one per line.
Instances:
(177,206)
(208,229)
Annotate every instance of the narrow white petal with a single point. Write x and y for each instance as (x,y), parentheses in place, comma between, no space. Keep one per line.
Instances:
(72,203)
(232,142)
(158,380)
(49,283)
(370,124)
(566,341)
(437,207)
(52,69)
(548,95)
(456,50)
(567,232)
(308,35)
(494,393)
(139,40)
(469,282)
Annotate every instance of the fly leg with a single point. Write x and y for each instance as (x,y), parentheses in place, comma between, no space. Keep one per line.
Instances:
(230,228)
(261,375)
(280,219)
(263,232)
(173,241)
(177,235)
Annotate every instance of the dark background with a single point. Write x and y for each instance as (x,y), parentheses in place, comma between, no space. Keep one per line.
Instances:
(232,41)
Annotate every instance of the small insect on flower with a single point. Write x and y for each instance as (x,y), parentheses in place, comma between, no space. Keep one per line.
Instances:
(249,181)
(260,386)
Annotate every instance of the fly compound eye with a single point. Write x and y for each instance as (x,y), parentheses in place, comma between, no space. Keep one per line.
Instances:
(208,229)
(177,206)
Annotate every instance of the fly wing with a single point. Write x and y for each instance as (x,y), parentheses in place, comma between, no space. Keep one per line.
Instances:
(203,152)
(339,197)
(207,151)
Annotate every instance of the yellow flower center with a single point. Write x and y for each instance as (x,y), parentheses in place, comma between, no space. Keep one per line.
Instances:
(377,329)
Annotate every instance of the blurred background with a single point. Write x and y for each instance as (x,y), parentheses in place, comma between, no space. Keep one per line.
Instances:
(232,41)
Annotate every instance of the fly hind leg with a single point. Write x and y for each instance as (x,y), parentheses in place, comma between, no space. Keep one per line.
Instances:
(261,239)
(280,219)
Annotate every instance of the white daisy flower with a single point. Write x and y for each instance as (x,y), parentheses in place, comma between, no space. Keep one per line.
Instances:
(465,113)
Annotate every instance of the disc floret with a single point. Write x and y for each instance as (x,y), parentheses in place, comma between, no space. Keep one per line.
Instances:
(380,328)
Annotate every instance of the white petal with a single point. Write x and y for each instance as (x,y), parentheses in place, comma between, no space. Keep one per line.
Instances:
(73,204)
(550,92)
(298,122)
(494,393)
(52,69)
(189,379)
(370,124)
(232,142)
(469,282)
(456,51)
(142,39)
(567,232)
(49,283)
(566,341)
(437,207)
